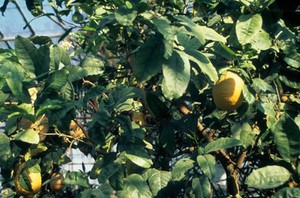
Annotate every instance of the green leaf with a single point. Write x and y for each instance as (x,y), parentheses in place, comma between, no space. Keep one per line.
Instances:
(48,105)
(261,41)
(95,193)
(135,186)
(149,59)
(176,75)
(138,156)
(221,143)
(186,40)
(260,84)
(289,83)
(108,171)
(211,34)
(29,136)
(222,50)
(248,96)
(247,27)
(204,64)
(42,61)
(56,81)
(287,137)
(76,178)
(26,52)
(4,148)
(195,29)
(268,177)
(287,192)
(207,164)
(181,168)
(58,57)
(157,180)
(93,66)
(201,187)
(125,16)
(18,90)
(244,133)
(293,59)
(164,27)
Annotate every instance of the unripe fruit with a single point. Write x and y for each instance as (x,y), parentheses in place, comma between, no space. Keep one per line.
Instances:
(227,92)
(57,182)
(28,181)
(284,98)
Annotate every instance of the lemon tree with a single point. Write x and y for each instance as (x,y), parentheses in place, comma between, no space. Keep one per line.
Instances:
(179,93)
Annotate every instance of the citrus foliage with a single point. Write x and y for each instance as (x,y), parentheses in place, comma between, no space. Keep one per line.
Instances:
(147,69)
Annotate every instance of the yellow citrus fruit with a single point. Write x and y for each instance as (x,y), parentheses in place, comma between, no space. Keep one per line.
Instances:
(57,182)
(227,92)
(28,181)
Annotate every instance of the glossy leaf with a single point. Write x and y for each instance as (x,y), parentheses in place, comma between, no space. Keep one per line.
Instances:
(176,75)
(247,27)
(287,137)
(194,28)
(221,143)
(29,136)
(293,59)
(268,177)
(288,192)
(207,164)
(181,168)
(261,41)
(58,57)
(201,187)
(211,34)
(135,186)
(56,81)
(204,64)
(262,85)
(26,52)
(157,180)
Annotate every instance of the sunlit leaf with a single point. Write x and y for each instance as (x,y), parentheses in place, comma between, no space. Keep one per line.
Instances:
(135,186)
(268,177)
(157,180)
(29,136)
(204,64)
(194,28)
(221,143)
(181,168)
(207,164)
(247,27)
(288,192)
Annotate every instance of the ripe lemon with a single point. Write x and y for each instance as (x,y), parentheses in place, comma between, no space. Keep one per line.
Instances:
(28,181)
(227,92)
(57,182)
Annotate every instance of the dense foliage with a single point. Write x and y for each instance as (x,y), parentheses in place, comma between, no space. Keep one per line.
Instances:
(146,69)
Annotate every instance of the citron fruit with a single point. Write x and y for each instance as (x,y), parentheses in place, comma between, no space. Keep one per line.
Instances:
(28,180)
(227,92)
(57,182)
